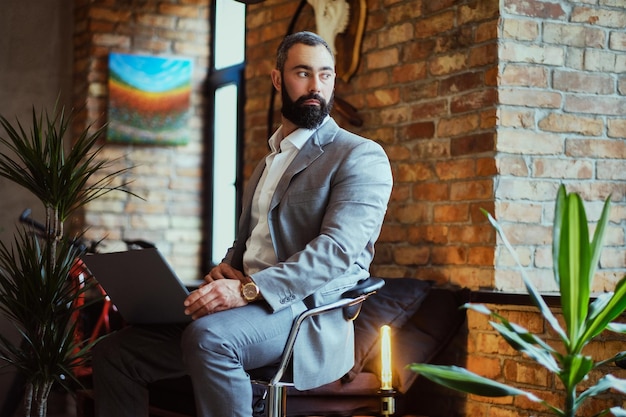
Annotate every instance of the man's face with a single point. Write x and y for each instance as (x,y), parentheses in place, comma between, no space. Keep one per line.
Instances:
(306,85)
(305,115)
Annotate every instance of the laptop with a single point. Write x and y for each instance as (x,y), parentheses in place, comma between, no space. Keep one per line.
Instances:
(141,284)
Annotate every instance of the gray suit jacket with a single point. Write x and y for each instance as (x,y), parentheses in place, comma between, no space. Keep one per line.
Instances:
(324,219)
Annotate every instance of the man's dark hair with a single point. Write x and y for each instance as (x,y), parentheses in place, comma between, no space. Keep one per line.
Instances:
(307,38)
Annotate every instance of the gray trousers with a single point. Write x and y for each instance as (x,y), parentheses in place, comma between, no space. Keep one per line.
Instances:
(214,351)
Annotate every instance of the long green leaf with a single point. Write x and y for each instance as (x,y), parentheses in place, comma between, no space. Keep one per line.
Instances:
(557,224)
(520,338)
(479,308)
(598,305)
(599,318)
(575,368)
(604,384)
(574,262)
(534,295)
(618,357)
(38,162)
(615,307)
(618,411)
(598,238)
(527,343)
(461,379)
(617,327)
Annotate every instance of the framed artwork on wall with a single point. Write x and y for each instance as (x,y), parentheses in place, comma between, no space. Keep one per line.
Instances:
(149,99)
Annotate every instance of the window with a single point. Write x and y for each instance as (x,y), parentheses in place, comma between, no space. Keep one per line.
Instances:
(224,96)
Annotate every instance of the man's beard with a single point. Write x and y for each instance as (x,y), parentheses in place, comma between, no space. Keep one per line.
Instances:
(305,116)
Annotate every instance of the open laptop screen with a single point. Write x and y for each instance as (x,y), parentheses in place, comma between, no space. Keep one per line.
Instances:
(141,284)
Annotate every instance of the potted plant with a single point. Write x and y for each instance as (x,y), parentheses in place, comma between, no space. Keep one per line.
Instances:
(575,260)
(38,294)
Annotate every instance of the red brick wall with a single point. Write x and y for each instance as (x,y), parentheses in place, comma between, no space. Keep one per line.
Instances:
(477,106)
(480,106)
(426,90)
(478,103)
(490,356)
(560,63)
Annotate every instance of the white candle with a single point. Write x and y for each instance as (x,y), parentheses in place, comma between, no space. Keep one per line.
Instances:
(385,354)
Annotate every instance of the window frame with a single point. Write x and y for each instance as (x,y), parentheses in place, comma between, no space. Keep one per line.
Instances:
(216,79)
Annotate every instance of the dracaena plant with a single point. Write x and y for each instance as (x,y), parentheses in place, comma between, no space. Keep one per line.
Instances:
(37,292)
(575,259)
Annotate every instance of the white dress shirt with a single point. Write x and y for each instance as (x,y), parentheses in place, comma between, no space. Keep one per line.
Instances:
(260,252)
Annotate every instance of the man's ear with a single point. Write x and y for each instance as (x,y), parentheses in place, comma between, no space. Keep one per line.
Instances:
(276,79)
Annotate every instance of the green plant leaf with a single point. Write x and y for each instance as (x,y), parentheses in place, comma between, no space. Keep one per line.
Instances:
(598,238)
(524,333)
(618,411)
(575,368)
(523,341)
(618,357)
(604,384)
(534,295)
(598,305)
(559,208)
(578,259)
(461,379)
(479,308)
(616,327)
(601,320)
(520,338)
(62,181)
(574,263)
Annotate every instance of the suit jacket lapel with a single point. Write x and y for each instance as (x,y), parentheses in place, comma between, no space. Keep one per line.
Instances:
(311,150)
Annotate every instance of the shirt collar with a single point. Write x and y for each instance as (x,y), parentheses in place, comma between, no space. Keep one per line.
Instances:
(296,139)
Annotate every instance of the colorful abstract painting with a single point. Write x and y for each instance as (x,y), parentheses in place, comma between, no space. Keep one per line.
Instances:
(149,99)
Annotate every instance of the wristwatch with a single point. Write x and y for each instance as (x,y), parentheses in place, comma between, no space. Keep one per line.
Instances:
(249,291)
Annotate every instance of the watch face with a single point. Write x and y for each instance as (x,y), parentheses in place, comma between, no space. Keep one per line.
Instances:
(250,291)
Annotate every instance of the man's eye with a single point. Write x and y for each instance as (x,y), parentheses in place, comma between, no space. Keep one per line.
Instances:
(303,74)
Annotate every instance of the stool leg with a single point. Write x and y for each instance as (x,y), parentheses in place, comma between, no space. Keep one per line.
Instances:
(277,401)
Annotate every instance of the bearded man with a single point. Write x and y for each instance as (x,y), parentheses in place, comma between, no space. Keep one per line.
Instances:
(312,211)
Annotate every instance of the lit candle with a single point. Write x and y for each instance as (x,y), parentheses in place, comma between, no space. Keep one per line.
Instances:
(385,353)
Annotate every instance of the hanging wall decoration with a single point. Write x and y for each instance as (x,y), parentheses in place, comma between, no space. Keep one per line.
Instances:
(149,99)
(342,24)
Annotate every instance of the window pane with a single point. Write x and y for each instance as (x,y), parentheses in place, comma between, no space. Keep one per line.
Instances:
(224,170)
(230,33)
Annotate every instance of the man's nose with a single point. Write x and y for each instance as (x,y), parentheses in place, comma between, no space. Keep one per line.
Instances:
(315,86)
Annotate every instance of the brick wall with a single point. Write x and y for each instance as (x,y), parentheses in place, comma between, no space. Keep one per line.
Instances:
(426,90)
(490,356)
(168,178)
(480,104)
(561,120)
(477,106)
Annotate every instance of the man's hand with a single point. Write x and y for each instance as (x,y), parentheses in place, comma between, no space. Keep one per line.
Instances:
(223,271)
(220,291)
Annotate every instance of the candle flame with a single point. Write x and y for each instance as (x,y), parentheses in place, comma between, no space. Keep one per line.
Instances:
(385,353)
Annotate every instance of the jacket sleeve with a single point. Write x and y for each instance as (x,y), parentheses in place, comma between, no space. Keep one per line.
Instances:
(326,224)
